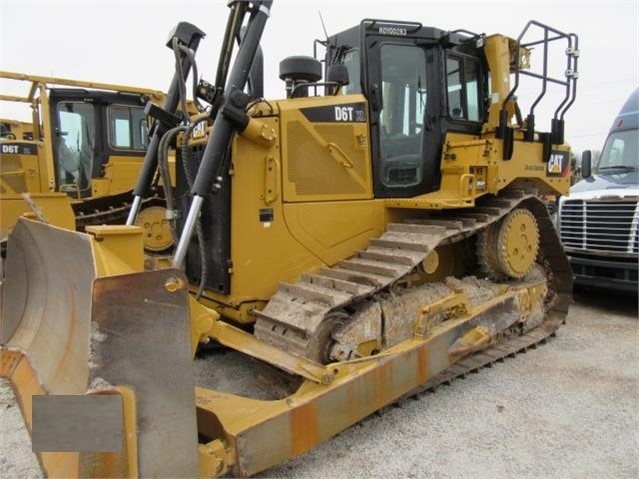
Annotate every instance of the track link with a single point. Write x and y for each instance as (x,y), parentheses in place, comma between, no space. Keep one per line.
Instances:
(107,211)
(293,318)
(103,211)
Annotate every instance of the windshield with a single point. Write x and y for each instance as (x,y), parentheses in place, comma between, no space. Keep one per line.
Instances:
(620,151)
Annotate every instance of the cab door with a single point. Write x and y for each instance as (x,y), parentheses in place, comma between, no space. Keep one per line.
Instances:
(405,131)
(421,86)
(92,129)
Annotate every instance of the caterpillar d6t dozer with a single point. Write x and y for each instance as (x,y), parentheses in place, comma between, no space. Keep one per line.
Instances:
(363,239)
(76,163)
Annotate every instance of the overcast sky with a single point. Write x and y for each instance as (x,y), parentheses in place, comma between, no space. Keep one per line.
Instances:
(123,41)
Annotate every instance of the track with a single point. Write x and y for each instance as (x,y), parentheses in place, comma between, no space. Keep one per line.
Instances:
(297,316)
(111,210)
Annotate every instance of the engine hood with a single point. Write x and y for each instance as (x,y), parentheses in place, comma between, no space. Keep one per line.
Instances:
(608,181)
(611,194)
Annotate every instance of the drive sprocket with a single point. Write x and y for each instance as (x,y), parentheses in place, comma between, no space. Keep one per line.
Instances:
(509,247)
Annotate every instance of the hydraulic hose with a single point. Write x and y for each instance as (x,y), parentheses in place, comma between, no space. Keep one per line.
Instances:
(149,166)
(224,126)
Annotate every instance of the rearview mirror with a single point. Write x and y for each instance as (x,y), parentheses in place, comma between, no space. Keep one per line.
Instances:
(586,164)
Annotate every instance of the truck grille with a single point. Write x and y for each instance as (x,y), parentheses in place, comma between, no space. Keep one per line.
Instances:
(605,226)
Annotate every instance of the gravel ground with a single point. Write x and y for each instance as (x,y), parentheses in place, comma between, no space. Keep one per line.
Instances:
(569,409)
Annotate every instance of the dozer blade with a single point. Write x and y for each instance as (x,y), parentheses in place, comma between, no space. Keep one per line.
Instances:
(67,331)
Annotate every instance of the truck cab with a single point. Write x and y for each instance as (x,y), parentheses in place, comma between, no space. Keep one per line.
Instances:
(599,220)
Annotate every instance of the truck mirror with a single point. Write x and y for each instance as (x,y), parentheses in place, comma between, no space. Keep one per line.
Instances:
(586,164)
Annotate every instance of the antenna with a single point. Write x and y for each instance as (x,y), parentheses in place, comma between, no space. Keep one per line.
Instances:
(323,26)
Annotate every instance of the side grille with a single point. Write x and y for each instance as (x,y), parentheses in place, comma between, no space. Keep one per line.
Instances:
(605,226)
(313,169)
(215,221)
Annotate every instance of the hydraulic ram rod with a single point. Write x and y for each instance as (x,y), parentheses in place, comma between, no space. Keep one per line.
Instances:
(225,125)
(190,36)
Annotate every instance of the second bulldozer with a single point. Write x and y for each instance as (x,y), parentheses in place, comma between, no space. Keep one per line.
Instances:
(77,161)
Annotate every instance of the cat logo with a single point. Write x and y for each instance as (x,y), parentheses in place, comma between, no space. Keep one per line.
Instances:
(557,165)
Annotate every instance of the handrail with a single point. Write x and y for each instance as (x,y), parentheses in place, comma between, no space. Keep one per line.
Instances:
(570,82)
(37,79)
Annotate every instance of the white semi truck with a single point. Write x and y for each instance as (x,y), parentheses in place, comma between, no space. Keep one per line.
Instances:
(599,221)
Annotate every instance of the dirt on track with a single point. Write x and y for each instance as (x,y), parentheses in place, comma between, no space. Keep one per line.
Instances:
(567,409)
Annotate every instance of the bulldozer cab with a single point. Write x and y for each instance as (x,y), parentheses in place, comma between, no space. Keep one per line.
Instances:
(90,129)
(92,136)
(81,152)
(420,82)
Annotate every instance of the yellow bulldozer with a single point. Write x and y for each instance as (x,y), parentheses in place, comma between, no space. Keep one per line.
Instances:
(378,231)
(76,163)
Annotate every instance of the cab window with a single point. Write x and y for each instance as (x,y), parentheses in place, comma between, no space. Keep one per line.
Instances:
(350,59)
(76,143)
(403,72)
(620,150)
(462,81)
(128,128)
